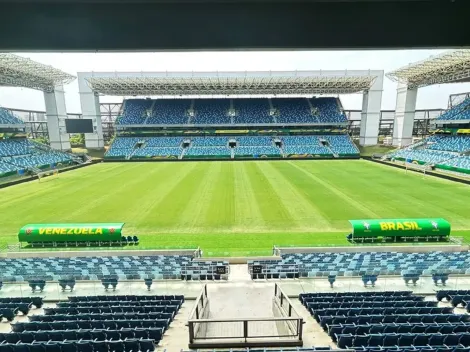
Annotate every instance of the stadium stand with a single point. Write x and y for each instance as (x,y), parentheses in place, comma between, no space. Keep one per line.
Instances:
(304,145)
(170,112)
(293,110)
(245,111)
(356,264)
(8,118)
(459,112)
(117,323)
(396,320)
(256,146)
(211,111)
(122,147)
(22,154)
(162,146)
(121,267)
(134,111)
(450,151)
(252,111)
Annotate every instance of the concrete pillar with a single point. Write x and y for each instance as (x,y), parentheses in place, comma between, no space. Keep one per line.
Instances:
(56,113)
(404,115)
(370,115)
(90,104)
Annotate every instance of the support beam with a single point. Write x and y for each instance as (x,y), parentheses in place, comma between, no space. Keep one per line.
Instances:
(56,113)
(90,103)
(370,115)
(404,115)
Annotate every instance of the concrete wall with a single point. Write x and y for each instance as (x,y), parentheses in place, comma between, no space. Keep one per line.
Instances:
(355,249)
(100,253)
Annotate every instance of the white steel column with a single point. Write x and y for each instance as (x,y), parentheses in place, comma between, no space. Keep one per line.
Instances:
(404,115)
(90,103)
(370,115)
(56,113)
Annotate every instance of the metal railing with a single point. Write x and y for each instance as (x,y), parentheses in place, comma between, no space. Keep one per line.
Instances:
(286,326)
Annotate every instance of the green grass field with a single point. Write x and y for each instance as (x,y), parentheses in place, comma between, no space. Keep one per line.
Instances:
(234,208)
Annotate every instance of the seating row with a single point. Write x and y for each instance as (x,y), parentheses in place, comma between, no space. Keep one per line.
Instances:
(380,311)
(325,321)
(412,348)
(112,309)
(437,339)
(88,324)
(366,304)
(131,345)
(36,301)
(420,328)
(106,304)
(448,294)
(163,318)
(123,298)
(356,299)
(154,334)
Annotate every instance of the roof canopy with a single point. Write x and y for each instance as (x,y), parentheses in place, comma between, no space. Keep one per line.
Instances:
(449,67)
(230,83)
(17,71)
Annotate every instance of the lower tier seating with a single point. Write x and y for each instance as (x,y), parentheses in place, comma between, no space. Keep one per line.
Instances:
(118,267)
(357,264)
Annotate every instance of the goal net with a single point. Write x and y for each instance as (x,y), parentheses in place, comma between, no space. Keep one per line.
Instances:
(47,175)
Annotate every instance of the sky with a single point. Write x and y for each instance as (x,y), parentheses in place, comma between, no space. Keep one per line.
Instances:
(428,98)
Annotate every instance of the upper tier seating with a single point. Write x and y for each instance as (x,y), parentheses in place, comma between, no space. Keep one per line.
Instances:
(170,112)
(459,112)
(293,110)
(328,109)
(211,111)
(93,268)
(135,111)
(8,118)
(217,111)
(252,111)
(356,264)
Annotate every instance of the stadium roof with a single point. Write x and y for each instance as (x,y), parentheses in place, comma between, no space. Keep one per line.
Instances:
(231,83)
(18,71)
(449,67)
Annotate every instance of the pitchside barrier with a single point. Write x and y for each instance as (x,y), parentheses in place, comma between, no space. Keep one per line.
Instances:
(74,234)
(399,230)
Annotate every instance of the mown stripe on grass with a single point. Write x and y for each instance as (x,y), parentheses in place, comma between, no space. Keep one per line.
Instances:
(331,187)
(247,211)
(274,212)
(307,215)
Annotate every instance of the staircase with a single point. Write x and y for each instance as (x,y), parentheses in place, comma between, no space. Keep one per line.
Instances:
(131,154)
(232,153)
(151,112)
(315,119)
(34,169)
(181,156)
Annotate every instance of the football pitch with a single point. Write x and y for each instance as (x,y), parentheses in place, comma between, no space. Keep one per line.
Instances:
(234,208)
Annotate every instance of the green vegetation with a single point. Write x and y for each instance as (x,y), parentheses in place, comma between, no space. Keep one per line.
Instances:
(234,208)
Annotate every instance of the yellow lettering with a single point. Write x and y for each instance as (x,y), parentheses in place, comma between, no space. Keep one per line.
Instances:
(70,232)
(48,231)
(56,231)
(400,226)
(84,231)
(99,231)
(408,225)
(76,231)
(63,231)
(417,227)
(42,231)
(383,226)
(391,226)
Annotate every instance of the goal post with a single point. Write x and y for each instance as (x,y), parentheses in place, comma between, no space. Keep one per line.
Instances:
(49,174)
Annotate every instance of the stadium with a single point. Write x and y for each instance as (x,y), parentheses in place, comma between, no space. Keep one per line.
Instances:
(235,210)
